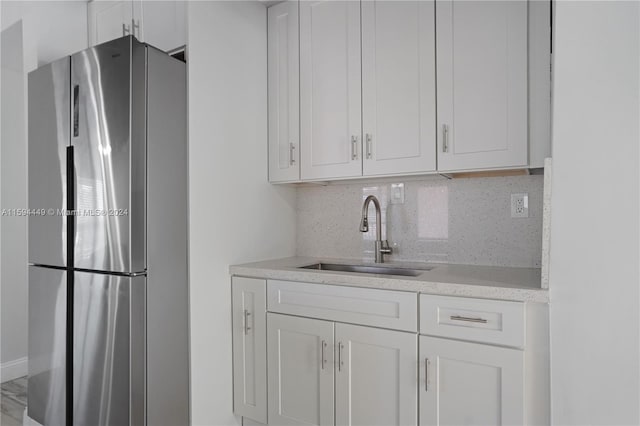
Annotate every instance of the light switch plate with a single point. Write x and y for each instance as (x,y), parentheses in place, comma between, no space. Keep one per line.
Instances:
(397,193)
(520,205)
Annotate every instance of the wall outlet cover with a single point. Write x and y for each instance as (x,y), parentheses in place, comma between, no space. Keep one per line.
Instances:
(520,205)
(397,193)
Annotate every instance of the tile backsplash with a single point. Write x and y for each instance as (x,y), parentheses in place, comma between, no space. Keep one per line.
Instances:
(464,221)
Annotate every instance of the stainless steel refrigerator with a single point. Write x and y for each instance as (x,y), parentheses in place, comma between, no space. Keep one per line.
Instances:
(108,288)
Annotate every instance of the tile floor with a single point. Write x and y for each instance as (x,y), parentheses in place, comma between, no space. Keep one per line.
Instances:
(13,400)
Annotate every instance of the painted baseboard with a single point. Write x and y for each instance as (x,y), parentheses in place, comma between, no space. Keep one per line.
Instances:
(28,421)
(11,370)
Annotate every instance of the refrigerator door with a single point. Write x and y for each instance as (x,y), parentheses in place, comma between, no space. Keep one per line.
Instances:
(49,120)
(47,345)
(108,349)
(108,136)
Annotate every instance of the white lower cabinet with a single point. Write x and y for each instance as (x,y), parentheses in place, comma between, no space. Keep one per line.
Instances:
(249,332)
(300,364)
(376,377)
(470,384)
(373,372)
(314,354)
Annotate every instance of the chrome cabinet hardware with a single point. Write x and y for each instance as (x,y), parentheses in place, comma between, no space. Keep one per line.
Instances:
(134,26)
(125,30)
(426,374)
(340,363)
(445,138)
(468,319)
(323,360)
(245,322)
(369,138)
(354,147)
(292,158)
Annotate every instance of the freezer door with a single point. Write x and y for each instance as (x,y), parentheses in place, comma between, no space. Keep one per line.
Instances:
(47,345)
(109,139)
(49,121)
(108,349)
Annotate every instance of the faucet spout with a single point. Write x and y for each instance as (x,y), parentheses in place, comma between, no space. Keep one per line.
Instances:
(382,247)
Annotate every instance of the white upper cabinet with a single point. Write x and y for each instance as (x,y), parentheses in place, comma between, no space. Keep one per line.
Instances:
(330,89)
(470,384)
(284,92)
(162,24)
(398,87)
(109,20)
(482,84)
(369,72)
(376,376)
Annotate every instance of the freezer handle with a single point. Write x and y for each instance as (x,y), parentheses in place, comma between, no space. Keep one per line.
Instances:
(76,112)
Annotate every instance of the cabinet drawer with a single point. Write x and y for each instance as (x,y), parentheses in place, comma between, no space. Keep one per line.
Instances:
(379,308)
(490,321)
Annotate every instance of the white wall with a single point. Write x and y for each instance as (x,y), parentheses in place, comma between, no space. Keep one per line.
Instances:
(34,32)
(54,28)
(235,215)
(594,279)
(13,243)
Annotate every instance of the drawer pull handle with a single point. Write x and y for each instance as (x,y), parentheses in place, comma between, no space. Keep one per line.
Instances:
(468,319)
(340,363)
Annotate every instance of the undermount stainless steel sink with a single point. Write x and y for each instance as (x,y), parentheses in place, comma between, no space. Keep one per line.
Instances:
(368,269)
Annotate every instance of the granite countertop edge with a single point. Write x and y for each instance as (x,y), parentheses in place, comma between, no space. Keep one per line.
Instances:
(487,282)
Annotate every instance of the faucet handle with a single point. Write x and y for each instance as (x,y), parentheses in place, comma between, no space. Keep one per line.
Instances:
(386,249)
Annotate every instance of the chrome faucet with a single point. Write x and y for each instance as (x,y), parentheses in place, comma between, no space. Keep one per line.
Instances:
(382,247)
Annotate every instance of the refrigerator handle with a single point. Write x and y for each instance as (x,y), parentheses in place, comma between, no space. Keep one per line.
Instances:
(71,185)
(71,195)
(76,94)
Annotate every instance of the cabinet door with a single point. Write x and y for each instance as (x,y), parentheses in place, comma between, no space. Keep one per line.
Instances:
(284,92)
(470,384)
(300,365)
(162,24)
(249,348)
(376,376)
(398,87)
(330,89)
(482,84)
(109,20)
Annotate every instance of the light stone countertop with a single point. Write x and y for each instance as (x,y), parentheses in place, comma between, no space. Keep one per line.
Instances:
(489,282)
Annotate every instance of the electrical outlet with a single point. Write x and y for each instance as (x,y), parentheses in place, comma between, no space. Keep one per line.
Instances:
(397,193)
(520,205)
